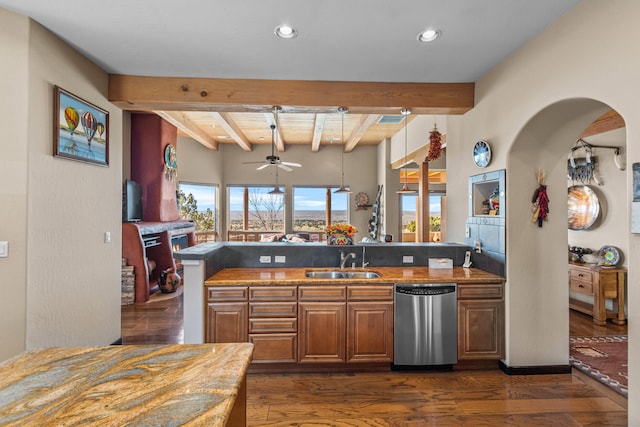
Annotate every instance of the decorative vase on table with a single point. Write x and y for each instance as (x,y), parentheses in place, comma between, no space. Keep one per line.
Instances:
(340,234)
(169,281)
(339,239)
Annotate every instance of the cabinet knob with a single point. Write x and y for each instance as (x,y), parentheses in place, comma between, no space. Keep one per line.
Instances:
(581,286)
(580,275)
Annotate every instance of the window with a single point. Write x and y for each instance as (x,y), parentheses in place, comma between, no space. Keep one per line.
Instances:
(315,207)
(198,203)
(408,209)
(253,209)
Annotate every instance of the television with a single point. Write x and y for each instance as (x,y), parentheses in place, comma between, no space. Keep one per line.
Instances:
(131,201)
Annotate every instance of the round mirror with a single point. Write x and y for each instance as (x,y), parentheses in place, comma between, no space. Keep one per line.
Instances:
(583,206)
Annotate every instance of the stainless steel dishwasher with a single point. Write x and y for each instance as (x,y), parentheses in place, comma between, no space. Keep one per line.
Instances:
(425,327)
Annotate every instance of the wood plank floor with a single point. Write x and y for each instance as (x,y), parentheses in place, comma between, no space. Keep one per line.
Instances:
(406,399)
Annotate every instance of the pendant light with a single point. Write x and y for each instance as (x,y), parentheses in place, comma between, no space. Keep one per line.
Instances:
(405,187)
(342,189)
(276,189)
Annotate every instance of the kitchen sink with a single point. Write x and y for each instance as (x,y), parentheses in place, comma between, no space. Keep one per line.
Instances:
(361,275)
(342,274)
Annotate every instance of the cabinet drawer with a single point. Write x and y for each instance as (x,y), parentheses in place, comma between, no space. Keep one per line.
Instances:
(272,293)
(581,275)
(273,309)
(370,293)
(274,348)
(322,293)
(227,294)
(257,326)
(581,286)
(492,291)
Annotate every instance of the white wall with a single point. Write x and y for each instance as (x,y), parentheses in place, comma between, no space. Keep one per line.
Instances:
(14,119)
(558,65)
(72,279)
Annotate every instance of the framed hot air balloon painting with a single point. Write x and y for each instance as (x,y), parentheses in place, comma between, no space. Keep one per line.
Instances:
(80,129)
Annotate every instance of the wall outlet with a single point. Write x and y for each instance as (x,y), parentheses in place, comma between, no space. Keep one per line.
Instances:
(107,237)
(265,259)
(467,231)
(281,259)
(4,249)
(407,259)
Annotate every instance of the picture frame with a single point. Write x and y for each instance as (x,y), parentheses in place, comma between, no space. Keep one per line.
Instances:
(80,129)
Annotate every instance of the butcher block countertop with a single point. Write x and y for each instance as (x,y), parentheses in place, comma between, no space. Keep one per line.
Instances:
(296,276)
(138,385)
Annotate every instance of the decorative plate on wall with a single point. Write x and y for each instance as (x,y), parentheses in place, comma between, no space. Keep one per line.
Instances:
(608,256)
(583,206)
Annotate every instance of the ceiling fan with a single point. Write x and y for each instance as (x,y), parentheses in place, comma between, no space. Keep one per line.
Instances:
(273,159)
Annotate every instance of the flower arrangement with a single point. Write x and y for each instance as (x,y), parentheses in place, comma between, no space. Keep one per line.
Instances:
(346,229)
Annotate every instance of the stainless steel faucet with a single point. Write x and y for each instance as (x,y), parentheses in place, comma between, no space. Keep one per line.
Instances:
(344,258)
(364,252)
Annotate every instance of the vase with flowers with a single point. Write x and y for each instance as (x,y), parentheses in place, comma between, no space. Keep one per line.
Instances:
(340,234)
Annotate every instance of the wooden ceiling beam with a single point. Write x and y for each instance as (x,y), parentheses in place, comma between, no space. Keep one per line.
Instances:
(181,122)
(418,156)
(608,121)
(356,136)
(142,93)
(227,123)
(318,129)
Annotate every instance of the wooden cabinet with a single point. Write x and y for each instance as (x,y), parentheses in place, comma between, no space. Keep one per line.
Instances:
(480,321)
(227,315)
(346,324)
(322,316)
(273,323)
(370,324)
(600,283)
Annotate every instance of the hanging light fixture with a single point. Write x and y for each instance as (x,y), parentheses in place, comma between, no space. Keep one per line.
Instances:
(405,187)
(276,189)
(342,189)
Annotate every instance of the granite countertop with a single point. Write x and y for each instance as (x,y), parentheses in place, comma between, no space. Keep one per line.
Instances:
(123,385)
(296,276)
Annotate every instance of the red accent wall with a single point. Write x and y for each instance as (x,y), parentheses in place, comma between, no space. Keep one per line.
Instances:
(150,134)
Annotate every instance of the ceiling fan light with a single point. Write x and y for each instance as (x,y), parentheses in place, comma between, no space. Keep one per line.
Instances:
(429,35)
(285,32)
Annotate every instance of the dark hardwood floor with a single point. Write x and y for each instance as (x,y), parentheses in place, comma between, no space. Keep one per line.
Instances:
(406,399)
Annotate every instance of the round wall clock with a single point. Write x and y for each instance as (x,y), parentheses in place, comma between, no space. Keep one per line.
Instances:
(481,153)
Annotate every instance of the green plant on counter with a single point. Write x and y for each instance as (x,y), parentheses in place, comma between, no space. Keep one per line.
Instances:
(434,225)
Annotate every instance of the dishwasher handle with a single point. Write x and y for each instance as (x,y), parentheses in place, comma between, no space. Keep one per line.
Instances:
(426,290)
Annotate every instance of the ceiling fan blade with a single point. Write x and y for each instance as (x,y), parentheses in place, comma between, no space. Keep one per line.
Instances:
(252,163)
(259,168)
(297,165)
(287,168)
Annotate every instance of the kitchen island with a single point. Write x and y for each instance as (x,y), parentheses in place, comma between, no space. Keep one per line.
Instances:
(127,385)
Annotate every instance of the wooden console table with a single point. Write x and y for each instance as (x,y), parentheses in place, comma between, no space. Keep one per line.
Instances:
(601,283)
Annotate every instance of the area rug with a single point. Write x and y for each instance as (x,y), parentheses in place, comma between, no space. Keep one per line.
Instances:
(602,358)
(162,296)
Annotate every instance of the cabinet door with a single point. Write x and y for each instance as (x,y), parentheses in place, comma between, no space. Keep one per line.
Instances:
(227,322)
(370,332)
(322,332)
(480,329)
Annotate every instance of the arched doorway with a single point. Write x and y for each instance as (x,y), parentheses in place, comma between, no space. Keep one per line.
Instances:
(537,299)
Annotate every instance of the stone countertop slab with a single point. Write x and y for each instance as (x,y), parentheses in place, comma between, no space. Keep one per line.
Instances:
(296,276)
(123,385)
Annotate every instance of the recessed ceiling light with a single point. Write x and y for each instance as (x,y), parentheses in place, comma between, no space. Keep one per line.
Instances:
(285,32)
(429,35)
